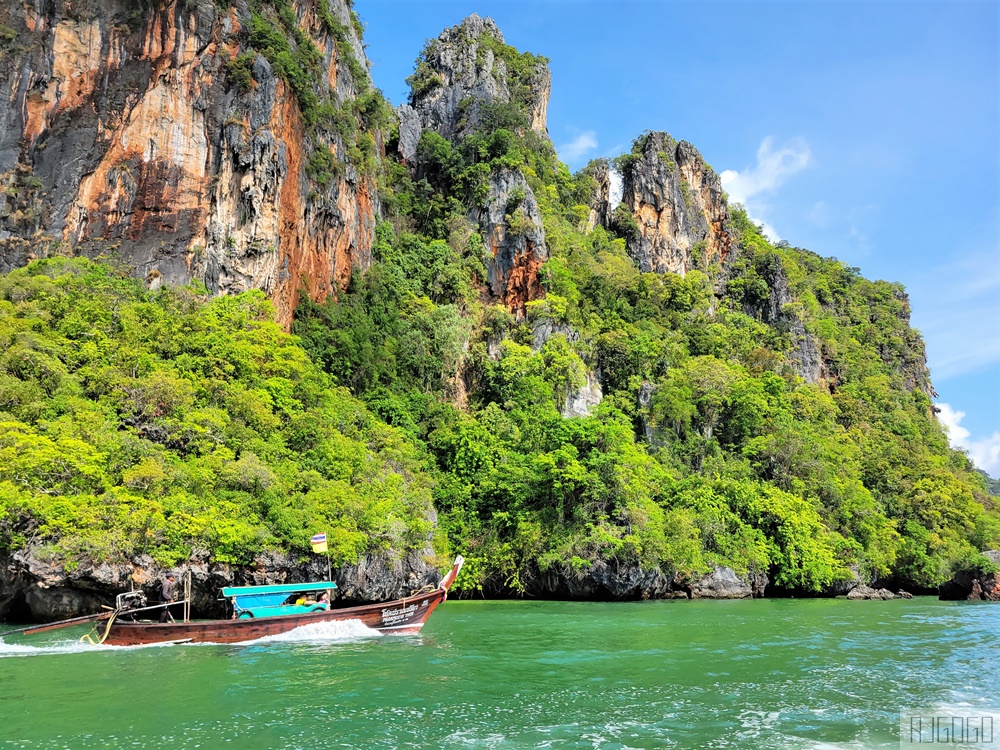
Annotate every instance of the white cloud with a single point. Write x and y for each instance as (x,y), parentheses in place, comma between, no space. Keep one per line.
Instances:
(863,243)
(578,147)
(985,453)
(771,232)
(774,166)
(950,419)
(772,169)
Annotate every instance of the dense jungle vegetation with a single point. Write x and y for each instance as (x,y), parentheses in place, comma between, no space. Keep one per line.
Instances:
(736,461)
(156,423)
(165,422)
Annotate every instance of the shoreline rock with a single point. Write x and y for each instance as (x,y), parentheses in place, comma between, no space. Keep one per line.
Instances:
(863,592)
(613,581)
(973,585)
(34,590)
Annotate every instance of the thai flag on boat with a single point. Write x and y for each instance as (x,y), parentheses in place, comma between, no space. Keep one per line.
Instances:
(318,542)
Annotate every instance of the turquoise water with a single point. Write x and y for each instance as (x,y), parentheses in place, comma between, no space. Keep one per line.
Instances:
(747,674)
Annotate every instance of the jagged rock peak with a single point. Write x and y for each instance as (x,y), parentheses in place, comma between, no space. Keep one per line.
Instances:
(466,69)
(673,212)
(473,27)
(606,197)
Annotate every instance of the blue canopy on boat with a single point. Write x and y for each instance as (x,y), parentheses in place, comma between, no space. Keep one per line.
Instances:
(249,601)
(284,589)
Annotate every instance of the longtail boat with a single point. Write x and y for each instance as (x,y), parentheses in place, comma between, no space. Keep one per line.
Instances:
(258,611)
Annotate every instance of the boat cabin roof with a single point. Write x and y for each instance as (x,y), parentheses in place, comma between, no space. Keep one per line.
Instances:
(288,588)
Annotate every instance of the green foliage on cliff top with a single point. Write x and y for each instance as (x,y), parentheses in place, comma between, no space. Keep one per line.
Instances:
(992,485)
(135,422)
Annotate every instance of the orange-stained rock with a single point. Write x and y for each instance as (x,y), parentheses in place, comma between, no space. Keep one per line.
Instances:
(462,79)
(146,150)
(511,223)
(680,210)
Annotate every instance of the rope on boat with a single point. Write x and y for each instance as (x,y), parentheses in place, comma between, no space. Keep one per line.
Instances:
(102,638)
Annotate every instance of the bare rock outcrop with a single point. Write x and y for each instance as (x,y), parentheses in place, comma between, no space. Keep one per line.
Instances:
(680,218)
(158,135)
(724,583)
(467,80)
(606,196)
(863,592)
(511,223)
(582,401)
(805,355)
(465,70)
(975,584)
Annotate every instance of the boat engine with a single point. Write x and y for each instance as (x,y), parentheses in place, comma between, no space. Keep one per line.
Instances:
(130,600)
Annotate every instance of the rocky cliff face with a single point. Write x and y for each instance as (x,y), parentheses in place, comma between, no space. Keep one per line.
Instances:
(680,216)
(614,580)
(975,584)
(909,359)
(468,68)
(469,80)
(511,224)
(161,135)
(806,356)
(604,200)
(906,355)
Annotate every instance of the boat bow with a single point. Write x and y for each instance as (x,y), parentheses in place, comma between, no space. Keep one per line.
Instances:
(452,574)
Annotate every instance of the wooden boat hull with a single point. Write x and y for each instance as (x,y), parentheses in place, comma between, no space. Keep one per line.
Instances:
(399,617)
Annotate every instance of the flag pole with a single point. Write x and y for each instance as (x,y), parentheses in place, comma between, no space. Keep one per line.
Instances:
(319,546)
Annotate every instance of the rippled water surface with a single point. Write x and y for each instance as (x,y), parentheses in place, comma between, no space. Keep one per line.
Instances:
(749,674)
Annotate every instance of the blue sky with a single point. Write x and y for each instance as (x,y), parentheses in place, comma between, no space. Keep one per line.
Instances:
(867,131)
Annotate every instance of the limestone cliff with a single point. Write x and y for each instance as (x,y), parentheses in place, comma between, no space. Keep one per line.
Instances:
(903,353)
(673,211)
(470,81)
(512,227)
(467,69)
(605,200)
(806,356)
(182,139)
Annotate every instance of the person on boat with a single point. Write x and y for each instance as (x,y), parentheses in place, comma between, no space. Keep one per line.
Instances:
(168,594)
(324,600)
